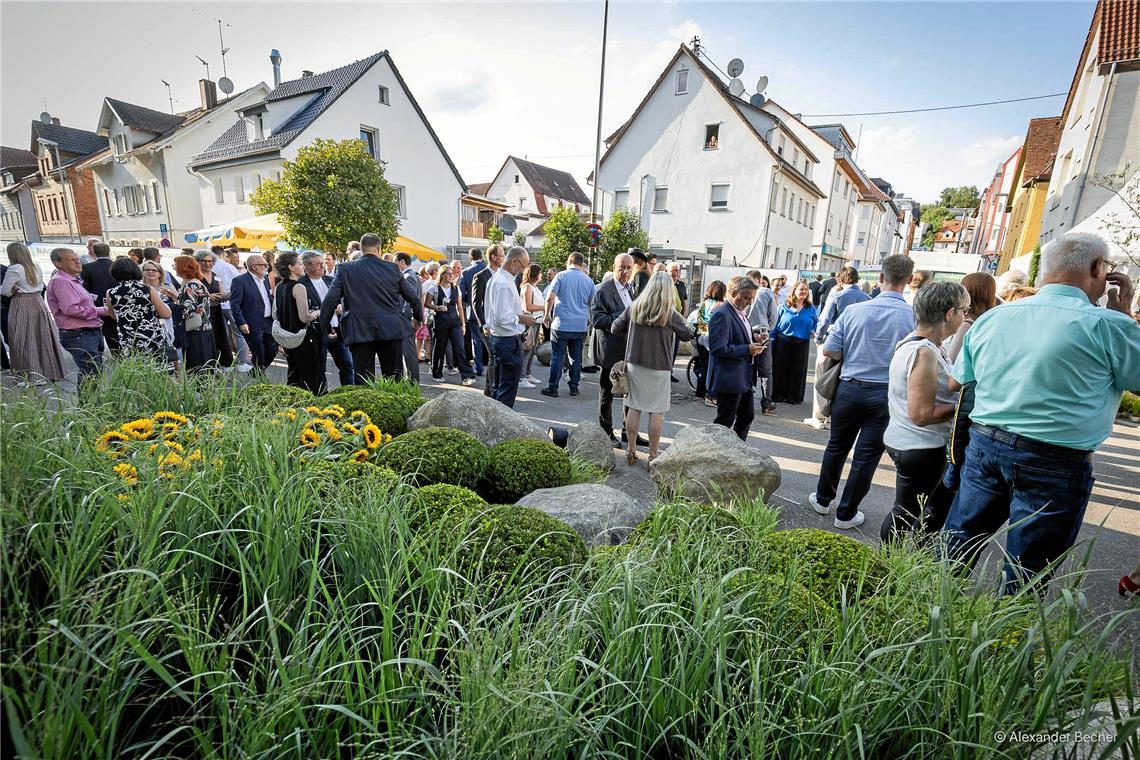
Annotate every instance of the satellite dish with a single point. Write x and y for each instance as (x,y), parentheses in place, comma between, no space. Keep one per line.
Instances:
(45,118)
(508,225)
(736,87)
(762,84)
(735,67)
(757,100)
(226,85)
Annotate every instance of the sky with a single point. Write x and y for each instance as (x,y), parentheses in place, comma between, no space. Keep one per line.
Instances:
(522,78)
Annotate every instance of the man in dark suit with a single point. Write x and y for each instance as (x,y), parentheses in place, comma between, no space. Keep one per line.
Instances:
(815,286)
(370,291)
(479,301)
(611,298)
(251,304)
(472,343)
(731,348)
(97,279)
(318,284)
(410,354)
(824,291)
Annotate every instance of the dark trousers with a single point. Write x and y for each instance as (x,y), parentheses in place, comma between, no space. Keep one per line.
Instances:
(563,342)
(473,343)
(606,400)
(262,348)
(507,354)
(762,372)
(366,353)
(859,416)
(789,369)
(306,368)
(920,498)
(735,411)
(449,334)
(5,363)
(411,356)
(489,381)
(702,371)
(110,333)
(222,349)
(336,348)
(1043,497)
(85,346)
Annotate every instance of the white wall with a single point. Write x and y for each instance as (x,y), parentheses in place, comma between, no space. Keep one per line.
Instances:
(231,209)
(505,190)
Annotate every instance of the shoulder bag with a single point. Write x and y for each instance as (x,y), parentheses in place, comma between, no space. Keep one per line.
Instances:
(285,338)
(619,378)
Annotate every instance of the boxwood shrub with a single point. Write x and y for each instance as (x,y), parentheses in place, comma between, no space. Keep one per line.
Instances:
(786,608)
(388,411)
(436,455)
(685,517)
(826,563)
(515,468)
(271,397)
(440,500)
(358,478)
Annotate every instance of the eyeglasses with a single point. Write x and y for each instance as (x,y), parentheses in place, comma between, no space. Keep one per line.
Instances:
(208,261)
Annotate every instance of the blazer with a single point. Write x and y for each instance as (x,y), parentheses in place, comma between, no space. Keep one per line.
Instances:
(372,292)
(730,364)
(607,348)
(97,278)
(246,306)
(479,293)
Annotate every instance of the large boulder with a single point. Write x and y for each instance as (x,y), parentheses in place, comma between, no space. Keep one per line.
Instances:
(590,443)
(708,462)
(601,515)
(481,416)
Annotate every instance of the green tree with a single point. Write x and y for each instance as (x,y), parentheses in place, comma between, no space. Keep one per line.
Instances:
(965,196)
(565,233)
(494,234)
(934,215)
(621,232)
(332,193)
(519,238)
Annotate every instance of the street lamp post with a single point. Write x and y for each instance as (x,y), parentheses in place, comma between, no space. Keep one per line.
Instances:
(601,91)
(63,181)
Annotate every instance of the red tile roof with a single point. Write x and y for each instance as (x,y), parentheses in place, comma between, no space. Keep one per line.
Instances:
(1040,149)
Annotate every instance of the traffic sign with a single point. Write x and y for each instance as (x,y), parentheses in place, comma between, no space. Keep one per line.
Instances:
(595,232)
(162,230)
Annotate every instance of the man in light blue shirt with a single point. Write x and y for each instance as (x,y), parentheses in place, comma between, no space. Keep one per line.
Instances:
(845,293)
(1049,371)
(568,302)
(864,338)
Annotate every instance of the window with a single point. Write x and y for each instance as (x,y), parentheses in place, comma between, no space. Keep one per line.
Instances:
(257,180)
(384,95)
(860,240)
(239,189)
(682,81)
(141,199)
(120,144)
(795,158)
(219,192)
(118,205)
(621,199)
(371,139)
(784,204)
(788,259)
(800,210)
(106,202)
(866,212)
(516,179)
(780,149)
(129,199)
(660,198)
(767,255)
(154,191)
(276,177)
(522,203)
(776,259)
(712,136)
(719,197)
(401,199)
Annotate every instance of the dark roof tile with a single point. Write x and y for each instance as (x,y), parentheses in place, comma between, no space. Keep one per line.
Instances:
(146,119)
(16,158)
(78,142)
(554,183)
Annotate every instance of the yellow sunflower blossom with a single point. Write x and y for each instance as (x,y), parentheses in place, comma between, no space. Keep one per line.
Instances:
(127,472)
(310,438)
(169,430)
(103,442)
(173,417)
(372,436)
(331,431)
(122,497)
(336,410)
(140,430)
(313,409)
(194,456)
(216,462)
(170,459)
(351,429)
(360,416)
(163,446)
(360,456)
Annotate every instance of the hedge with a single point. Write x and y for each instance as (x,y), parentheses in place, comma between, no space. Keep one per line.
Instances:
(388,411)
(825,562)
(517,467)
(271,397)
(436,455)
(437,501)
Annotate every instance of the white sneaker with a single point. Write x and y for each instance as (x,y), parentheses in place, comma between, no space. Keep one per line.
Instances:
(453,371)
(244,367)
(469,382)
(526,383)
(817,506)
(532,380)
(854,522)
(817,424)
(439,379)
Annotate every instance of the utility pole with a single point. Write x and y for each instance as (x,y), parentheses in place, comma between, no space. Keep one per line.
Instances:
(598,135)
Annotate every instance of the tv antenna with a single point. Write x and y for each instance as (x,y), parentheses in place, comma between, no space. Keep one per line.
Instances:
(695,43)
(204,63)
(169,94)
(222,45)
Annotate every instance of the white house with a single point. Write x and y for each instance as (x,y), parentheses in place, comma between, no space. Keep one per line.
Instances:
(144,192)
(366,100)
(1099,135)
(704,170)
(17,217)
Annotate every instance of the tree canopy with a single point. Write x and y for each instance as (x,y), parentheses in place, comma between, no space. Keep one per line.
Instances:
(965,196)
(334,192)
(934,215)
(565,233)
(620,233)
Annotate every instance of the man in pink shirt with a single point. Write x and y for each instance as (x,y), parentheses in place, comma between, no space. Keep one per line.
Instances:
(78,318)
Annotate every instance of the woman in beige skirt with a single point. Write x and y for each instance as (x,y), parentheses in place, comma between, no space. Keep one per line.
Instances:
(651,322)
(34,340)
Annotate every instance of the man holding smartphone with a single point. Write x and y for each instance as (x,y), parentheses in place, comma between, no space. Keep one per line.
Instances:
(761,317)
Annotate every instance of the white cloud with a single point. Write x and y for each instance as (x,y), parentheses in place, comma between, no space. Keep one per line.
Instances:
(990,151)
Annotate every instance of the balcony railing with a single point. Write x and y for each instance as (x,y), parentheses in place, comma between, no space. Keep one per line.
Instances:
(472,229)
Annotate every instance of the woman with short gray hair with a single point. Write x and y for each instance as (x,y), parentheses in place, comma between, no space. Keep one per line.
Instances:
(921,406)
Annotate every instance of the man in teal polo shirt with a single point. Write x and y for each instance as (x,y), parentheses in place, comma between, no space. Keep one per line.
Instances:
(1049,372)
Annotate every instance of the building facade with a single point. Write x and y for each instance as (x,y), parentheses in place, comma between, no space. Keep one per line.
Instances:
(17,216)
(62,193)
(993,211)
(1030,188)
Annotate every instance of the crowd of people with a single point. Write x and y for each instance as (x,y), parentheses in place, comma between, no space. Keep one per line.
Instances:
(983,425)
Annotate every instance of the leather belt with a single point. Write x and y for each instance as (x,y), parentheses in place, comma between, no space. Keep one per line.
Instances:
(1029,444)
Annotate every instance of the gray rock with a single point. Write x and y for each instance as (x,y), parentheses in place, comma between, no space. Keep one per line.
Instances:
(601,515)
(481,416)
(542,353)
(709,462)
(590,443)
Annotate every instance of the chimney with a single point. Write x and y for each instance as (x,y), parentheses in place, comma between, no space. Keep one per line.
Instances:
(275,59)
(306,74)
(55,120)
(209,92)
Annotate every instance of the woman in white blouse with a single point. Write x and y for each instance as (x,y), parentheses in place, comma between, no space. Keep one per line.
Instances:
(34,341)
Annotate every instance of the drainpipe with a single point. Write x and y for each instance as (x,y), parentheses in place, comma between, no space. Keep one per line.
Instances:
(1092,146)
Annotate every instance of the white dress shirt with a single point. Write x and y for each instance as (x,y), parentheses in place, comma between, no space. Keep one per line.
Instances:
(225,272)
(322,289)
(263,291)
(503,305)
(624,294)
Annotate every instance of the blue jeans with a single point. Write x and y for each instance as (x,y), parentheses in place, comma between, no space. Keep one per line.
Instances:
(859,417)
(1043,497)
(560,341)
(507,353)
(341,357)
(85,346)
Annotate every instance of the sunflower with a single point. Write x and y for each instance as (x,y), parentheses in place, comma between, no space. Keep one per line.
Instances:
(140,430)
(169,430)
(336,410)
(310,438)
(163,446)
(194,456)
(313,409)
(330,429)
(127,472)
(122,497)
(173,417)
(351,429)
(372,436)
(103,442)
(170,459)
(360,417)
(360,456)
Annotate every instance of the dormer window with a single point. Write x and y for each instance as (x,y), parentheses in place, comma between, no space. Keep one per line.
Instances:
(682,81)
(712,136)
(259,126)
(120,144)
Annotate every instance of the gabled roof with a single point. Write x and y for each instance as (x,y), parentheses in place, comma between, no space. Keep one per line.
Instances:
(78,142)
(735,103)
(17,158)
(1041,143)
(554,183)
(479,188)
(146,119)
(1118,22)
